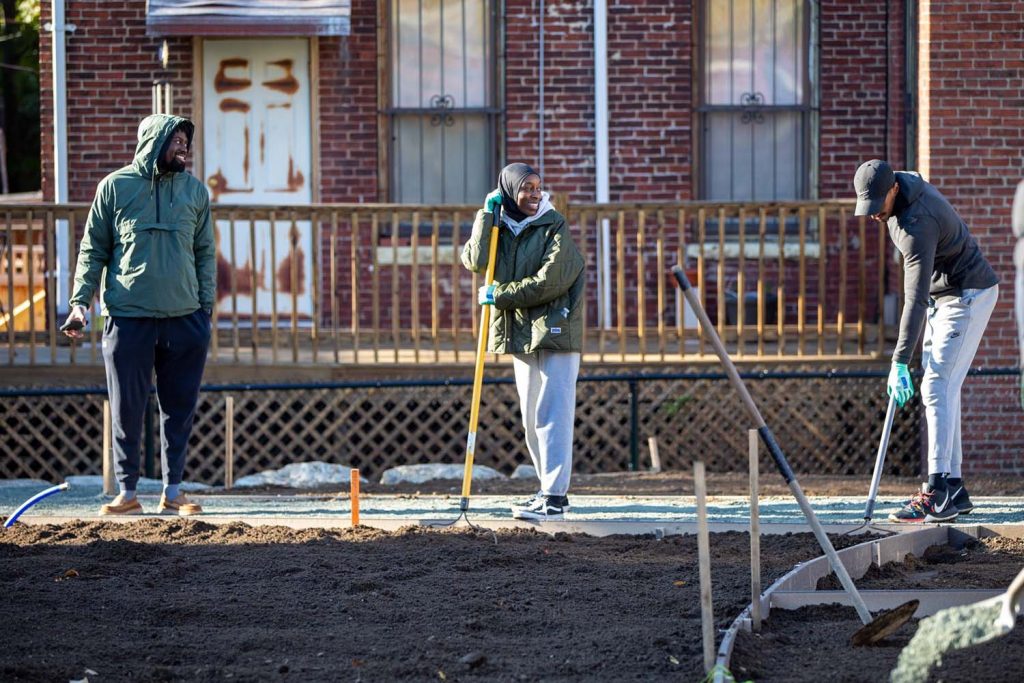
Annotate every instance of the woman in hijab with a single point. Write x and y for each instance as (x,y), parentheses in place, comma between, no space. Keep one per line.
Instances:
(537,295)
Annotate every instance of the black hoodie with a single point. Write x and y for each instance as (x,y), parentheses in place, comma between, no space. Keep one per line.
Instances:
(940,256)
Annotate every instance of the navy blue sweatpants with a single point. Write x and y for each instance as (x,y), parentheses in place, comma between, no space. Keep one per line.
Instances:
(132,349)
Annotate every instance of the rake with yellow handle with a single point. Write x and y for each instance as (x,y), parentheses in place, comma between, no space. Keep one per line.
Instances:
(478,374)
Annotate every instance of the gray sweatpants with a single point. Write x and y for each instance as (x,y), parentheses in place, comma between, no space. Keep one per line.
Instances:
(546,381)
(951,339)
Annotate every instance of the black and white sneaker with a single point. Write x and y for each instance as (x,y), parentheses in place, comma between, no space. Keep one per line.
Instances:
(960,498)
(527,502)
(543,508)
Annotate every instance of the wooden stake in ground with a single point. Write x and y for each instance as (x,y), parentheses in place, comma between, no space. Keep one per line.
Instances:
(109,485)
(755,535)
(652,443)
(354,495)
(229,442)
(707,614)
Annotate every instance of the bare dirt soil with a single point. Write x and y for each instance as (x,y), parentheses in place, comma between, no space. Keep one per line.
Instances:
(184,600)
(812,644)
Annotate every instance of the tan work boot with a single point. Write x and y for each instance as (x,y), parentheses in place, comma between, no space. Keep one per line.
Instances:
(120,506)
(179,506)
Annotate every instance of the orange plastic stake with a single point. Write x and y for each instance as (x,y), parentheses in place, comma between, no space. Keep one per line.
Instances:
(354,497)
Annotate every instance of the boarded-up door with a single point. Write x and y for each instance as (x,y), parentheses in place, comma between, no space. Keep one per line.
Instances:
(256,150)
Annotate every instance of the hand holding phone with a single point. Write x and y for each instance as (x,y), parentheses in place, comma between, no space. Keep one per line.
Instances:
(76,321)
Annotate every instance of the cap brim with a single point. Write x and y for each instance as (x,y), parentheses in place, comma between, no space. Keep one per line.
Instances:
(869,207)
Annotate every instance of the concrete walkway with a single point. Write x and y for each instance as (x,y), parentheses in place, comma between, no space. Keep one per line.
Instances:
(392,511)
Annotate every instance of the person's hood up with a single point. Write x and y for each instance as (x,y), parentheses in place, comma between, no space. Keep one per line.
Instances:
(154,132)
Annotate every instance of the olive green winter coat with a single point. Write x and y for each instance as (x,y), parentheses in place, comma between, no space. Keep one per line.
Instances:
(152,233)
(538,301)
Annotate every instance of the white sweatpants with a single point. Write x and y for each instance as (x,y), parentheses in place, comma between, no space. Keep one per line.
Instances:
(951,339)
(546,382)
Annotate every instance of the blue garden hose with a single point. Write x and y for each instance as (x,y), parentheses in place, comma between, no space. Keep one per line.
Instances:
(33,500)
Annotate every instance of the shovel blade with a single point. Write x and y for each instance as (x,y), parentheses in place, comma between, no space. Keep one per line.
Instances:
(885,624)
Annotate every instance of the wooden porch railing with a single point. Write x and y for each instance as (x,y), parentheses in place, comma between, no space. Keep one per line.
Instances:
(382,283)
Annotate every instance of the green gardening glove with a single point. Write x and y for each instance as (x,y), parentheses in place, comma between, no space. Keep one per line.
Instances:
(485,295)
(493,201)
(901,387)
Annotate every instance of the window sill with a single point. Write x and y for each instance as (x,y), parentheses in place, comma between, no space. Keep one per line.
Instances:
(752,250)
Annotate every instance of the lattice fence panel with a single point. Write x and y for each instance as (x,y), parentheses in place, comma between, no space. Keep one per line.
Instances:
(602,427)
(51,437)
(825,426)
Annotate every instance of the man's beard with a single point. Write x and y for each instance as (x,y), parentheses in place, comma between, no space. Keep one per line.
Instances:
(175,165)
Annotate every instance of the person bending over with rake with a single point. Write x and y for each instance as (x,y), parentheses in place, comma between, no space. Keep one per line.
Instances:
(537,295)
(950,291)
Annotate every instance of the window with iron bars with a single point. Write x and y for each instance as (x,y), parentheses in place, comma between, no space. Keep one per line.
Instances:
(757,114)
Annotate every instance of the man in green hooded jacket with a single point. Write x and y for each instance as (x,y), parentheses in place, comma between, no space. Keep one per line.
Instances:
(150,237)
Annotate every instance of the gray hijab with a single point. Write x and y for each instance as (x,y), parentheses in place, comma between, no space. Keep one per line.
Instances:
(512,176)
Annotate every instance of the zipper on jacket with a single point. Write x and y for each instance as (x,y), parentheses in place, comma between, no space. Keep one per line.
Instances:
(158,199)
(509,314)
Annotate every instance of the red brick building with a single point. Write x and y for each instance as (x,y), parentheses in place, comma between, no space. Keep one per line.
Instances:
(612,100)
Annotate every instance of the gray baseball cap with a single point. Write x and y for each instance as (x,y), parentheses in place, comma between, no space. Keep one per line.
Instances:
(873,181)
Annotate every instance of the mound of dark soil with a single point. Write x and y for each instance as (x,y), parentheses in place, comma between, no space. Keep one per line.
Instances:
(186,600)
(812,644)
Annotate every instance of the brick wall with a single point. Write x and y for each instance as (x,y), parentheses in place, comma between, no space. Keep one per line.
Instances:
(649,97)
(975,62)
(861,103)
(348,110)
(112,64)
(974,112)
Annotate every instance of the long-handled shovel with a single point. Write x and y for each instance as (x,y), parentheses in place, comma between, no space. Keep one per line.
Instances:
(873,629)
(478,375)
(955,628)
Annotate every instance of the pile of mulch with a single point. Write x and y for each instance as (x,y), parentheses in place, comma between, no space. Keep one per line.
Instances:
(185,600)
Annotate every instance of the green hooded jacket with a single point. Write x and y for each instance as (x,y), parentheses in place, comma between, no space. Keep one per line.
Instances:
(538,301)
(152,233)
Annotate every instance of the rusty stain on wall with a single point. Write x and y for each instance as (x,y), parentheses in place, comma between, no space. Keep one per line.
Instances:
(230,104)
(224,83)
(295,178)
(287,84)
(218,185)
(284,271)
(243,275)
(245,161)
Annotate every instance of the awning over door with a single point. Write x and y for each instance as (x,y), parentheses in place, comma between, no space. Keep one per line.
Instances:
(248,17)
